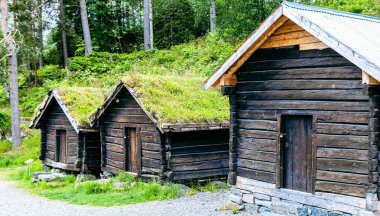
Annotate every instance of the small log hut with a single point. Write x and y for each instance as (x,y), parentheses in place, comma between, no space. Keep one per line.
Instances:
(160,127)
(68,142)
(304,101)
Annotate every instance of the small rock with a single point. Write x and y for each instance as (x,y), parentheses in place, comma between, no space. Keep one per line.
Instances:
(50,176)
(248,198)
(184,189)
(262,203)
(105,175)
(55,170)
(241,207)
(371,202)
(236,199)
(285,207)
(119,185)
(262,196)
(318,212)
(245,191)
(85,177)
(263,209)
(304,211)
(235,191)
(252,208)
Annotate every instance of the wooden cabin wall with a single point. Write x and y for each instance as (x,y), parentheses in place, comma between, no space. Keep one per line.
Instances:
(54,120)
(198,154)
(123,113)
(316,82)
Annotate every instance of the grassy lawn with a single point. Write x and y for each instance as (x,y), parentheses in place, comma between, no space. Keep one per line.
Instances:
(102,194)
(127,191)
(95,193)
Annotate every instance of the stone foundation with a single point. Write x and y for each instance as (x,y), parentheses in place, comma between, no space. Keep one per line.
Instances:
(265,199)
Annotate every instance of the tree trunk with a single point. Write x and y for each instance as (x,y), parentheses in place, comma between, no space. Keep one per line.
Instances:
(148,25)
(11,48)
(86,28)
(40,34)
(212,17)
(63,33)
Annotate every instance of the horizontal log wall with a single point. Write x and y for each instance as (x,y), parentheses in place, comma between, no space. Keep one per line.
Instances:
(315,82)
(126,113)
(54,120)
(198,154)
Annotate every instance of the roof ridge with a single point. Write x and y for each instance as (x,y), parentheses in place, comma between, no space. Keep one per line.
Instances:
(331,11)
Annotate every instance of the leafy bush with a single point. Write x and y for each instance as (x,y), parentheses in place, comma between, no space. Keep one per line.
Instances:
(51,72)
(5,124)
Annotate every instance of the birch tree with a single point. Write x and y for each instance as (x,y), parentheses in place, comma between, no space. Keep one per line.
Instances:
(40,33)
(212,16)
(63,33)
(148,25)
(11,47)
(86,28)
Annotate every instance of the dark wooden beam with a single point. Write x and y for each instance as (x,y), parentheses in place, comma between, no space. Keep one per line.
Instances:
(228,90)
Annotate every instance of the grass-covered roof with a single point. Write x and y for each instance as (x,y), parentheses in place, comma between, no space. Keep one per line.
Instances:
(81,102)
(177,99)
(76,102)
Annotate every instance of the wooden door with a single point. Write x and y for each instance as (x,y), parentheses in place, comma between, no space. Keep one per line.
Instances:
(133,155)
(61,141)
(297,152)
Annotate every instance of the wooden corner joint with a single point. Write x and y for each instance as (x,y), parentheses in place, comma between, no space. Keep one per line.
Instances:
(368,79)
(228,80)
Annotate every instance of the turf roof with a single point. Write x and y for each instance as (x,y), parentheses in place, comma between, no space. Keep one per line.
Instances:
(178,99)
(81,102)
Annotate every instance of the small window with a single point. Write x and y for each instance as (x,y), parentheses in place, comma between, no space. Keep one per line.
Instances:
(61,146)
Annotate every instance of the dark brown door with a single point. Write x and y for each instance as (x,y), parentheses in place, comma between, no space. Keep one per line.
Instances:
(133,150)
(297,149)
(61,141)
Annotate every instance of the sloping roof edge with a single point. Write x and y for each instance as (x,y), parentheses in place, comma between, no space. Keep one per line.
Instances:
(261,30)
(44,105)
(287,9)
(101,110)
(164,128)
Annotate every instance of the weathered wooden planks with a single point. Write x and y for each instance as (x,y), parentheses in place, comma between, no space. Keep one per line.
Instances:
(339,188)
(342,177)
(318,83)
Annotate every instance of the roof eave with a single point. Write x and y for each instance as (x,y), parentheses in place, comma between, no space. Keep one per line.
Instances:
(252,39)
(347,52)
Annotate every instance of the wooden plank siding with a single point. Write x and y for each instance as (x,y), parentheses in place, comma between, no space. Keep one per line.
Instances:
(316,82)
(54,120)
(197,154)
(124,113)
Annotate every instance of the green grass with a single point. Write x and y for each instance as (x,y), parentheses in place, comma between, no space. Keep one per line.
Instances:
(206,187)
(81,102)
(96,194)
(179,99)
(28,149)
(200,58)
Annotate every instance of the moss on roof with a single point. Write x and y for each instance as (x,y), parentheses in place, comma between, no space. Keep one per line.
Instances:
(178,99)
(81,101)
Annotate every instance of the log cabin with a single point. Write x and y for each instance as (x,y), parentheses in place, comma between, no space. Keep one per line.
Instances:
(304,102)
(166,127)
(68,142)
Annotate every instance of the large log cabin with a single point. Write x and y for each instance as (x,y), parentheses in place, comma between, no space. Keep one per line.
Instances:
(68,142)
(164,127)
(304,101)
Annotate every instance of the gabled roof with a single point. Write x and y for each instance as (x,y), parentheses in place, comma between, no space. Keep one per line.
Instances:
(354,36)
(76,102)
(173,103)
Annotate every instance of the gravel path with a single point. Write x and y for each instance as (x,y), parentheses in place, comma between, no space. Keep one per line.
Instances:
(16,202)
